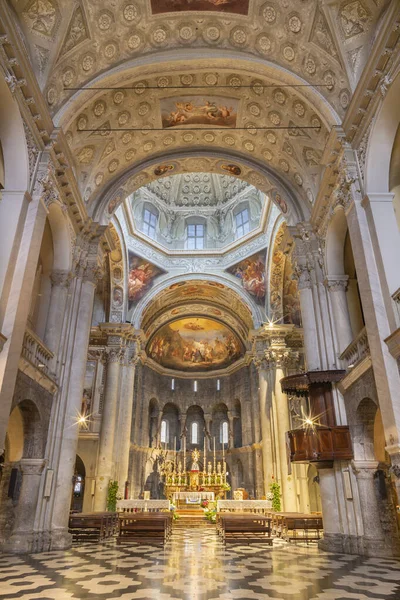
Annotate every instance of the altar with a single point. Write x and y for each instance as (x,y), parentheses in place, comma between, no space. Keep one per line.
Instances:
(193,497)
(195,485)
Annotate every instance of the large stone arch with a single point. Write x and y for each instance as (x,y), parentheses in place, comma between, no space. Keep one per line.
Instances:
(255,173)
(381,141)
(256,311)
(99,179)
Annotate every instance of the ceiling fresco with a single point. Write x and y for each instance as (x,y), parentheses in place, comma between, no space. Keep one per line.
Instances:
(195,344)
(141,277)
(214,111)
(213,296)
(276,126)
(252,274)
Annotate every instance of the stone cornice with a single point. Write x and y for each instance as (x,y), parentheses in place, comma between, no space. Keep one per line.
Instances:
(40,131)
(376,77)
(355,373)
(236,366)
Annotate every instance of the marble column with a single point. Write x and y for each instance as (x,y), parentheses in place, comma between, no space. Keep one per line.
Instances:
(16,306)
(105,464)
(373,541)
(333,540)
(337,287)
(125,416)
(73,384)
(283,422)
(22,538)
(60,281)
(265,418)
(377,318)
(308,317)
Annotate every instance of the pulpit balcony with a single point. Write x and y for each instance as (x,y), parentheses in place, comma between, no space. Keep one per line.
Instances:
(320,444)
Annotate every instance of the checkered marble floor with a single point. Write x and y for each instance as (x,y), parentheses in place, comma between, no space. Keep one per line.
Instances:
(194,565)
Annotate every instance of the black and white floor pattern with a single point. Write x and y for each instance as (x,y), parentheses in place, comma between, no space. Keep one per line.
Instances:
(194,565)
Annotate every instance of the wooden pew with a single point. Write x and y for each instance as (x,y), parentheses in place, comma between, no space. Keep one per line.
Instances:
(245,528)
(302,528)
(92,527)
(152,528)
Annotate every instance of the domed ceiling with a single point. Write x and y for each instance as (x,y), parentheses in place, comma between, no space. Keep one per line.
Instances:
(215,199)
(198,189)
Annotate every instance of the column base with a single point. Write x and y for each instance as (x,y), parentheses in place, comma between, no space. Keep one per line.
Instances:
(60,539)
(18,543)
(361,545)
(26,542)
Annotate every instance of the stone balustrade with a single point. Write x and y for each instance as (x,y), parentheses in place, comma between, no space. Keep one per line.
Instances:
(34,350)
(356,351)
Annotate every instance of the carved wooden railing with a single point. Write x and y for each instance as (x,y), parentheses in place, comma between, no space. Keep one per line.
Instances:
(34,350)
(356,351)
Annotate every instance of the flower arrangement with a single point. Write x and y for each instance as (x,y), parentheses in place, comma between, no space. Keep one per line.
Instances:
(211,515)
(204,503)
(226,487)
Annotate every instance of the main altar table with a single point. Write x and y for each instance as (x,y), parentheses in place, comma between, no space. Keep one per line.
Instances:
(193,496)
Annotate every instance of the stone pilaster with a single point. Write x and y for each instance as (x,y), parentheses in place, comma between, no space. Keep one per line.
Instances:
(337,287)
(373,539)
(375,306)
(105,464)
(265,417)
(60,282)
(15,304)
(22,538)
(63,460)
(130,360)
(274,357)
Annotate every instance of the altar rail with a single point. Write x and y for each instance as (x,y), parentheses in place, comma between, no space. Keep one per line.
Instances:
(251,506)
(142,505)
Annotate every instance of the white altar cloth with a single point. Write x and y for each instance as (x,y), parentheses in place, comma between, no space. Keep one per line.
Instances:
(244,505)
(142,505)
(193,496)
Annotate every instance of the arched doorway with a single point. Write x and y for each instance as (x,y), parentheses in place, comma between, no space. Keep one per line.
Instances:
(78,487)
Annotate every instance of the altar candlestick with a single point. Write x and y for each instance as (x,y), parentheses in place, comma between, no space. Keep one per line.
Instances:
(214,453)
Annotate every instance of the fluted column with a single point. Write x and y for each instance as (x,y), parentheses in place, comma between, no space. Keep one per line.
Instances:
(60,281)
(287,480)
(73,384)
(337,287)
(22,538)
(125,414)
(105,464)
(265,418)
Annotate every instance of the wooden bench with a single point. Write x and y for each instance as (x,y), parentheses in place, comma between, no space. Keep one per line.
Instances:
(92,527)
(154,528)
(306,529)
(245,528)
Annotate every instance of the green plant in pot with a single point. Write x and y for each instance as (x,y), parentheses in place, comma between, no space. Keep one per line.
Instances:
(112,496)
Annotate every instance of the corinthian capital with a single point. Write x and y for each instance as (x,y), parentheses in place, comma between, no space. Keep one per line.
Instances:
(303,274)
(337,284)
(92,273)
(113,355)
(61,278)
